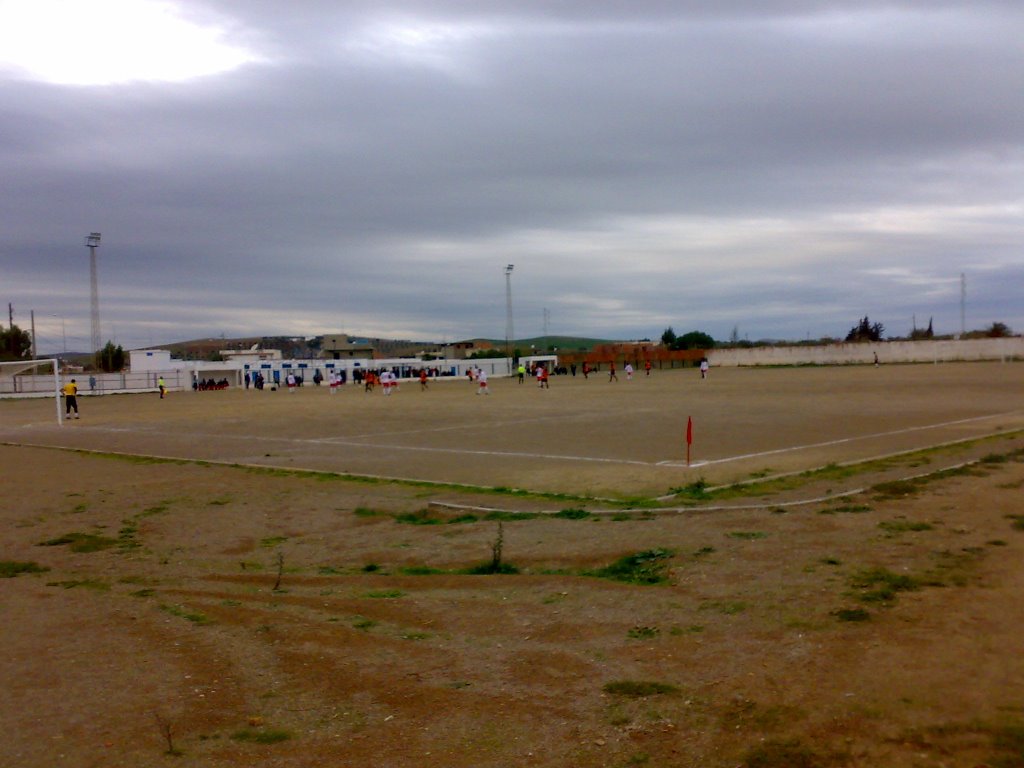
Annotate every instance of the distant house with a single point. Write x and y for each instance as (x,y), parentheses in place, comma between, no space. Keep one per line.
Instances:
(340,346)
(460,350)
(254,355)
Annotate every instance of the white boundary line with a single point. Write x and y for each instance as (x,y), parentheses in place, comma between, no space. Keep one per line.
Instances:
(840,441)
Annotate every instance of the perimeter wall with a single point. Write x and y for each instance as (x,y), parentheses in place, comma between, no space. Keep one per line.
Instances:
(1010,348)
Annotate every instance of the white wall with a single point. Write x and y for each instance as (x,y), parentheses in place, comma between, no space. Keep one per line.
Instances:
(1011,348)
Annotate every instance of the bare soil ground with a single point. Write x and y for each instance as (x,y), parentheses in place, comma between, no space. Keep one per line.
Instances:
(882,628)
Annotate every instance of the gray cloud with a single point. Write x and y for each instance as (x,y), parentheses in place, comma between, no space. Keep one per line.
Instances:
(783,167)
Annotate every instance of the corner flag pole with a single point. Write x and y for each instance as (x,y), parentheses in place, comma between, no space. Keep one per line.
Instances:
(689,438)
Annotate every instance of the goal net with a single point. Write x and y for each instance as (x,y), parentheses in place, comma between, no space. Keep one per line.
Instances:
(31,378)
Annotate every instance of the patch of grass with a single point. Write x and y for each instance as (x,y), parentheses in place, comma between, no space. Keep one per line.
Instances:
(182,613)
(330,570)
(421,570)
(99,586)
(273,541)
(726,607)
(747,535)
(647,567)
(503,516)
(642,633)
(896,489)
(704,551)
(366,512)
(636,689)
(384,594)
(145,592)
(880,585)
(1017,522)
(786,753)
(954,568)
(419,517)
(462,519)
(572,514)
(11,568)
(698,490)
(268,736)
(157,509)
(851,614)
(81,542)
(904,526)
(219,502)
(371,568)
(364,623)
(845,509)
(491,568)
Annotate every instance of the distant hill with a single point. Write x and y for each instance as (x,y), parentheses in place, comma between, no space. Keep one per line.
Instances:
(298,347)
(546,343)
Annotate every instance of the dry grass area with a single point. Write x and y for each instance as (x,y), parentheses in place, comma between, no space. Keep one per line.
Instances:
(163,613)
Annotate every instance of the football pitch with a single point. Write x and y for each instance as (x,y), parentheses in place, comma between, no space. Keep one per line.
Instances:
(582,436)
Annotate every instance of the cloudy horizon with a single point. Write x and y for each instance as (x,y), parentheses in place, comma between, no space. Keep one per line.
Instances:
(778,168)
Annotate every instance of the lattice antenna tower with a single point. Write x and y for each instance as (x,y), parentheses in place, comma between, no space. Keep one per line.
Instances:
(92,242)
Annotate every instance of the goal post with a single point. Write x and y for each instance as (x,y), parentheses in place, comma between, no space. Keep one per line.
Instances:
(32,378)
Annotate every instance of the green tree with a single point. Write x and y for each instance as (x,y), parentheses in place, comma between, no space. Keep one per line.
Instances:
(923,333)
(998,330)
(483,354)
(694,340)
(668,338)
(111,358)
(15,344)
(865,330)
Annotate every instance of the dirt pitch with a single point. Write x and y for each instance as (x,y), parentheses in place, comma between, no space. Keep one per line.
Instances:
(790,625)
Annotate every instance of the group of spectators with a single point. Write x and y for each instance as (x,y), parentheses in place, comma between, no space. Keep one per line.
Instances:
(201,385)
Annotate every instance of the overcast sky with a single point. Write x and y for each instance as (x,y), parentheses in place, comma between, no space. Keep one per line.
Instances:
(255,167)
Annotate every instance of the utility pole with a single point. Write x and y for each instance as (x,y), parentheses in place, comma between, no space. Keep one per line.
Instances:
(963,305)
(32,316)
(92,242)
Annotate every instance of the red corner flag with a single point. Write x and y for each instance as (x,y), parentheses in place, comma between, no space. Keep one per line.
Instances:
(689,438)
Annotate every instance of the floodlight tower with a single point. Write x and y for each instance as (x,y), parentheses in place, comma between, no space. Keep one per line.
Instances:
(508,312)
(92,242)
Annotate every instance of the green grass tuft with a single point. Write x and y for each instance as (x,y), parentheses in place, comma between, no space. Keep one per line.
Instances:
(903,526)
(11,568)
(572,514)
(647,567)
(880,585)
(269,736)
(636,689)
(81,542)
(491,568)
(182,613)
(851,614)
